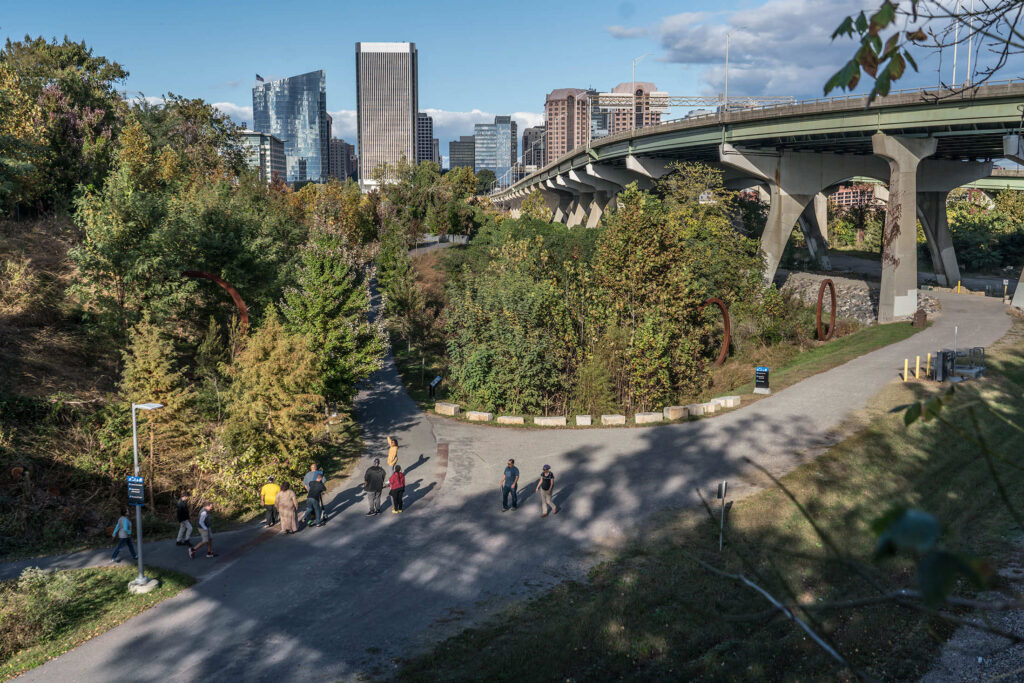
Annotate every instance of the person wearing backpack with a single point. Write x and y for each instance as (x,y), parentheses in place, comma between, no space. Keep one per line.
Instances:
(546,487)
(123,534)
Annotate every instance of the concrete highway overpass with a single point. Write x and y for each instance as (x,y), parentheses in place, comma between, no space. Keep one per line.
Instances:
(920,145)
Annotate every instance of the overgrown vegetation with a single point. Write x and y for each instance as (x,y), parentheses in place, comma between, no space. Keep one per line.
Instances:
(657,613)
(111,208)
(44,614)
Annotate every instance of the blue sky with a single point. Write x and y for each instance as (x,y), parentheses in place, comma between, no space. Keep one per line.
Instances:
(477,59)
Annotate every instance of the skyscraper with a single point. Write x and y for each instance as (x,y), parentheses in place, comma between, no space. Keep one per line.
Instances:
(573,116)
(294,110)
(424,138)
(264,152)
(462,152)
(533,146)
(495,147)
(566,120)
(342,164)
(387,104)
(435,151)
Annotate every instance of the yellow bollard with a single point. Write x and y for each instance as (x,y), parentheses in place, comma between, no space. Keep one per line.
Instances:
(957,286)
(906,368)
(917,368)
(1004,289)
(928,366)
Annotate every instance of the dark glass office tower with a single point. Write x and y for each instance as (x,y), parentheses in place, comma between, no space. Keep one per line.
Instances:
(295,111)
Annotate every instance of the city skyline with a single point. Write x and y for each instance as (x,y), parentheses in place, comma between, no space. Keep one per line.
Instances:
(217,58)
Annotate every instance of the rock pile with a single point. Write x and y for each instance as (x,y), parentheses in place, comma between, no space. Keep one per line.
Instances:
(856,298)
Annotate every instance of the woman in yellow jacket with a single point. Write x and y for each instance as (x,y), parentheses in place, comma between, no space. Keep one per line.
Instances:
(392,452)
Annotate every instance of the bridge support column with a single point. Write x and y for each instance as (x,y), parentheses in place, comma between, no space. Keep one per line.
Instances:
(597,205)
(898,295)
(931,209)
(813,223)
(578,212)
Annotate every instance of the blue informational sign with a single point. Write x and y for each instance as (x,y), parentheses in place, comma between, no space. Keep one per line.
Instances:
(135,492)
(761,381)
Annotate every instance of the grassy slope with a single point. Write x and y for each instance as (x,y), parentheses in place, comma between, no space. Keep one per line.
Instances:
(654,614)
(100,602)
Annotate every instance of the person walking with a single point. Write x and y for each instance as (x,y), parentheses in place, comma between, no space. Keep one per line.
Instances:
(397,484)
(314,502)
(373,482)
(546,486)
(307,481)
(268,496)
(123,534)
(510,484)
(205,531)
(184,525)
(392,452)
(287,508)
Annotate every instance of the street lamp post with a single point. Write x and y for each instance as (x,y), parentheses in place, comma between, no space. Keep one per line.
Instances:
(141,578)
(725,96)
(636,60)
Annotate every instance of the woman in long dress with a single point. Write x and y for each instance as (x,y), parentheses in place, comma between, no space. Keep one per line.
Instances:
(287,508)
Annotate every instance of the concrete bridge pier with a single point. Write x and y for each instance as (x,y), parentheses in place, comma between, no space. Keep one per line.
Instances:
(560,209)
(898,295)
(935,179)
(581,194)
(604,191)
(813,224)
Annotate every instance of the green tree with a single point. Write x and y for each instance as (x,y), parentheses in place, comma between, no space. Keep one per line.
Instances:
(21,141)
(484,180)
(273,413)
(534,207)
(329,307)
(152,374)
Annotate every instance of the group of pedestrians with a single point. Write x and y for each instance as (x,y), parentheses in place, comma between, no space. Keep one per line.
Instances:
(510,488)
(374,481)
(280,504)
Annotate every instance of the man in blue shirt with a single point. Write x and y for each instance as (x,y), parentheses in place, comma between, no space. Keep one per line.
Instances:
(510,484)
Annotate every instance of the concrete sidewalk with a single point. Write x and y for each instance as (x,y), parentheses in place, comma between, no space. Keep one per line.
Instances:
(339,603)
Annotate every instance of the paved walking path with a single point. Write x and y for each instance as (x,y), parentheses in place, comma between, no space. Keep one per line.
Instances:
(341,601)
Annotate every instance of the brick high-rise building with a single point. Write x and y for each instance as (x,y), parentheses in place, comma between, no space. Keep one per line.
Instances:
(573,116)
(342,160)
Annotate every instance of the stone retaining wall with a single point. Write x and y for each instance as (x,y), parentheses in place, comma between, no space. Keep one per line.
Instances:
(856,298)
(669,413)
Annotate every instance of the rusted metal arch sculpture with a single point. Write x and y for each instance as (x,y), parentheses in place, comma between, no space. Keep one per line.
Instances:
(243,311)
(725,323)
(827,282)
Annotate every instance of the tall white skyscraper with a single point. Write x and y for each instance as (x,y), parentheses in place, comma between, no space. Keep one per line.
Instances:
(387,103)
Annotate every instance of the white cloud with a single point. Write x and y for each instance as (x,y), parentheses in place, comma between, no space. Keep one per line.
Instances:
(626,31)
(239,114)
(344,125)
(782,47)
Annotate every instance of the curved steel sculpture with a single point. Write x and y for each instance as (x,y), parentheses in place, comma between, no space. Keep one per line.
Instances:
(243,311)
(725,323)
(827,282)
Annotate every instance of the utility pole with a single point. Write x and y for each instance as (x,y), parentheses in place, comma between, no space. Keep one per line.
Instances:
(725,97)
(970,47)
(636,60)
(956,38)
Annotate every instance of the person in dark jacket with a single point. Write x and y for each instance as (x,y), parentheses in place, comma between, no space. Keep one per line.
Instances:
(314,506)
(397,484)
(184,525)
(373,482)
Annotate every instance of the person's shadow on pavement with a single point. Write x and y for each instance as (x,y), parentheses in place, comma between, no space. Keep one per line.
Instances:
(415,493)
(344,500)
(422,459)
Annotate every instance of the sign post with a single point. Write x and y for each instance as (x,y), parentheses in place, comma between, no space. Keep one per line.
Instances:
(723,490)
(135,495)
(761,381)
(434,383)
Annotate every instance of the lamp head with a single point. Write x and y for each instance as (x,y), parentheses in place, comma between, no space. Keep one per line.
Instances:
(148,406)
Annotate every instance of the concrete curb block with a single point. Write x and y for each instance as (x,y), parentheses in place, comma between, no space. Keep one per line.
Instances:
(510,420)
(710,407)
(550,421)
(727,401)
(613,419)
(583,420)
(695,409)
(675,412)
(451,409)
(479,416)
(647,418)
